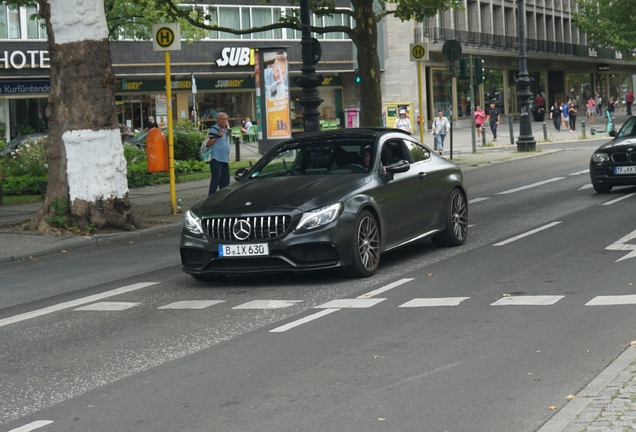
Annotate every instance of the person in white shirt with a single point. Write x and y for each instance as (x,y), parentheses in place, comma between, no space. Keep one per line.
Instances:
(403,122)
(441,126)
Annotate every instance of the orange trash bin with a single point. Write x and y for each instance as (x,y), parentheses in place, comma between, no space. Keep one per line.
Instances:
(157,151)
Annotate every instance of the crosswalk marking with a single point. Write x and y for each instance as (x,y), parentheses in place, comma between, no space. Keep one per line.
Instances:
(520,236)
(32,426)
(612,300)
(614,201)
(108,306)
(530,186)
(350,303)
(532,300)
(191,304)
(73,303)
(432,302)
(267,304)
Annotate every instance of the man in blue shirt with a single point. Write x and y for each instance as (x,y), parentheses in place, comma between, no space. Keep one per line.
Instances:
(219,140)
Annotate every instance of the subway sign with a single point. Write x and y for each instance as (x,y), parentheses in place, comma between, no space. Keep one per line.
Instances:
(236,56)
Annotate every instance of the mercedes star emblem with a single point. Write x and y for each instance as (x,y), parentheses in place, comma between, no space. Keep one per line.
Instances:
(241,229)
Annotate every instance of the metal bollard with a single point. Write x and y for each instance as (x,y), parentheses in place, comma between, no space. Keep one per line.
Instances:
(483,136)
(545,132)
(512,132)
(583,127)
(237,144)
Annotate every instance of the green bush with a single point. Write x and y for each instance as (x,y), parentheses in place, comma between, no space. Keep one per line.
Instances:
(12,183)
(187,140)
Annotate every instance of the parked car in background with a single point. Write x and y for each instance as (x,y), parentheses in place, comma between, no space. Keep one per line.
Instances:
(18,141)
(614,163)
(327,200)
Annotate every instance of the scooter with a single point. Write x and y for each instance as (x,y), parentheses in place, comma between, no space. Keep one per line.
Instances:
(608,127)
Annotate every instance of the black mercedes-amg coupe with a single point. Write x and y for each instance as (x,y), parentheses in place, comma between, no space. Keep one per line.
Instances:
(325,200)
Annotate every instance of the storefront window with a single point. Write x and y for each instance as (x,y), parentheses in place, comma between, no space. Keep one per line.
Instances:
(441,84)
(464,104)
(237,105)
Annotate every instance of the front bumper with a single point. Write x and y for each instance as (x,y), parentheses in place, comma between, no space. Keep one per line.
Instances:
(326,247)
(603,175)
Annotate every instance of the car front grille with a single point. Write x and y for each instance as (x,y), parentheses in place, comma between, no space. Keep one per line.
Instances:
(624,157)
(257,228)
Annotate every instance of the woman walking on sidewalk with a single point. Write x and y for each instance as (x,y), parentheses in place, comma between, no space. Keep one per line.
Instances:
(480,116)
(440,127)
(556,116)
(572,115)
(591,109)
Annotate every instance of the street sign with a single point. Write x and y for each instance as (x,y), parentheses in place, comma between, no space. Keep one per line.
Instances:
(452,50)
(419,52)
(166,37)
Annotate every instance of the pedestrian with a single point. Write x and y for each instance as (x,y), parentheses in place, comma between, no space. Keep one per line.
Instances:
(599,104)
(565,125)
(403,122)
(572,115)
(151,123)
(539,103)
(591,109)
(493,119)
(480,116)
(629,99)
(611,107)
(556,116)
(441,126)
(247,124)
(219,140)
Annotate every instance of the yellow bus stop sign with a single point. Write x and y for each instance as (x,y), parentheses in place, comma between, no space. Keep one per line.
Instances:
(166,37)
(419,52)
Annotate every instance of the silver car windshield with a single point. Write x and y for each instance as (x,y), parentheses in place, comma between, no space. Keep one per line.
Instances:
(317,159)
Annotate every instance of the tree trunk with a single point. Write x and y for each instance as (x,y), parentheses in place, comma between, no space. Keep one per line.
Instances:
(366,40)
(87,168)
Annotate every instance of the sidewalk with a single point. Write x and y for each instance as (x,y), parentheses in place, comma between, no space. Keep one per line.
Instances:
(608,403)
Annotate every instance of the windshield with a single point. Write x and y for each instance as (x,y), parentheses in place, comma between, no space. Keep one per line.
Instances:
(346,156)
(628,129)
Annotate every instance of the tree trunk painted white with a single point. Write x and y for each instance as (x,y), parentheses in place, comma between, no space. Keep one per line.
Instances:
(87,168)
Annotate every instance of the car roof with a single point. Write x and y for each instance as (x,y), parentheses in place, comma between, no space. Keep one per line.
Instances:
(360,133)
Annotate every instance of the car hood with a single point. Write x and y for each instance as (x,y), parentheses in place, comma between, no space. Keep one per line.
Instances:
(292,192)
(620,144)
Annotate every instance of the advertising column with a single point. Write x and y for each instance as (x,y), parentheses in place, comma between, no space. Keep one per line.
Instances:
(272,97)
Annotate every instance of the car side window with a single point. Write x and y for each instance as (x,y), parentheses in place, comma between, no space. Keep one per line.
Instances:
(418,151)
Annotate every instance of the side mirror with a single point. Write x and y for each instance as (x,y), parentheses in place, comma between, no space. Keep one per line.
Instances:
(241,173)
(398,167)
(612,133)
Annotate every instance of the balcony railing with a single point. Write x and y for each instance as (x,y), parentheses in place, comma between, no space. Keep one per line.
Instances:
(498,42)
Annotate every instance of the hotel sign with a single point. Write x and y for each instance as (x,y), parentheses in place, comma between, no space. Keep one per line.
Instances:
(32,59)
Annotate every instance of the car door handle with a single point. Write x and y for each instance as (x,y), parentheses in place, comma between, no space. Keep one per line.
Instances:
(421,175)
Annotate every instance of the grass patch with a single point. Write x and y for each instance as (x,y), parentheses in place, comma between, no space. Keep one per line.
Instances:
(20,199)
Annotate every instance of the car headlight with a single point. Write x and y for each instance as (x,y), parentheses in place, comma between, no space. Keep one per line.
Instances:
(316,218)
(192,223)
(600,157)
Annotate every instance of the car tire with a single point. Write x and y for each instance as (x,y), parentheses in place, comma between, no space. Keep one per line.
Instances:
(456,229)
(601,188)
(207,278)
(365,246)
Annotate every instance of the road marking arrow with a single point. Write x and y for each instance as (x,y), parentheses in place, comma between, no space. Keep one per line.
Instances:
(621,245)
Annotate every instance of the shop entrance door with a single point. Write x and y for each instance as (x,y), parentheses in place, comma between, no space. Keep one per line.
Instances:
(133,111)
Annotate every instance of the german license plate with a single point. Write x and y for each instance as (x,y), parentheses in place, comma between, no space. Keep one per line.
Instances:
(625,170)
(246,250)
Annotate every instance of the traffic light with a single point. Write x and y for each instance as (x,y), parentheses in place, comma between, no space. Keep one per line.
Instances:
(463,68)
(479,71)
(357,72)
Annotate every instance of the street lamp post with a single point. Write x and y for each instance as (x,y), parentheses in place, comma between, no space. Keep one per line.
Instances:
(309,80)
(526,141)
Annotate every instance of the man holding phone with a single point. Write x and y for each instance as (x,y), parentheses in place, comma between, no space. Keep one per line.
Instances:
(219,140)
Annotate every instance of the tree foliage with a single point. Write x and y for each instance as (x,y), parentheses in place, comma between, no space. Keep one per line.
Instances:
(608,22)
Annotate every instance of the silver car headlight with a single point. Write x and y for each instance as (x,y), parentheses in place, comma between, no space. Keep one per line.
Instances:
(600,157)
(316,218)
(192,223)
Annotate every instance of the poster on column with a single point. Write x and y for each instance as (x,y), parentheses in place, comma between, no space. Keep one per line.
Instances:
(257,79)
(276,83)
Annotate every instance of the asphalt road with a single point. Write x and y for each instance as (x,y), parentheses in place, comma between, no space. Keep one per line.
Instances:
(484,337)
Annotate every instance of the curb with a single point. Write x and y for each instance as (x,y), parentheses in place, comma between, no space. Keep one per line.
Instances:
(98,239)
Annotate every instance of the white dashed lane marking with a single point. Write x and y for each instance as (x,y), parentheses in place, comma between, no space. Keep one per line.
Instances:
(432,302)
(356,303)
(585,171)
(108,306)
(301,321)
(476,200)
(530,186)
(614,201)
(520,236)
(191,304)
(267,304)
(538,300)
(32,426)
(612,300)
(587,186)
(385,288)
